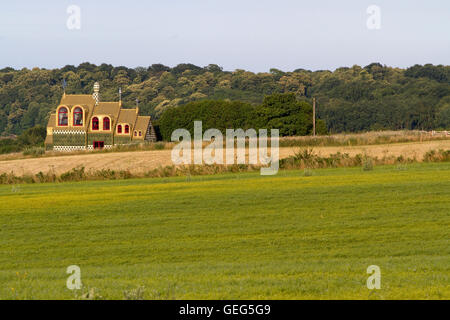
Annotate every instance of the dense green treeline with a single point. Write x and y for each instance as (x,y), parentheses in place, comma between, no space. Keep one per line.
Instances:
(278,111)
(349,99)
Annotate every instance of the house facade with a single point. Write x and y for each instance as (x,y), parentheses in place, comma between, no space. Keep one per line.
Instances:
(83,122)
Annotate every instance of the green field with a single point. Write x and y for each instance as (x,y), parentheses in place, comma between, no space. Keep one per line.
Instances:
(233,236)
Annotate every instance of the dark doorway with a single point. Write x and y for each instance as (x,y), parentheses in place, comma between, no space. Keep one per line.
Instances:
(99,144)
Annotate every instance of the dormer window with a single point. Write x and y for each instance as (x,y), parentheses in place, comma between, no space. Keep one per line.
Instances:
(127,129)
(119,128)
(63,117)
(78,117)
(95,124)
(106,124)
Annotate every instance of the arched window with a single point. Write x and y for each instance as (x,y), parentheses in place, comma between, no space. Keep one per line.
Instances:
(135,133)
(106,123)
(140,133)
(63,117)
(78,117)
(127,128)
(95,124)
(119,128)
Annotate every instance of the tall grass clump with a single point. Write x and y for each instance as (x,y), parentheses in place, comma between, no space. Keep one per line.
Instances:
(367,164)
(34,151)
(437,156)
(134,294)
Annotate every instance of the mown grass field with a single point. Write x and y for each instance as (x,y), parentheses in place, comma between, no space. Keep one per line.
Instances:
(234,236)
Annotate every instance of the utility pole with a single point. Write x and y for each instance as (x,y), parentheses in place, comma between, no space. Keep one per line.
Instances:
(314,116)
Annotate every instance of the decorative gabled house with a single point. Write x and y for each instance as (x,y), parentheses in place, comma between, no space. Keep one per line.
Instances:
(82,122)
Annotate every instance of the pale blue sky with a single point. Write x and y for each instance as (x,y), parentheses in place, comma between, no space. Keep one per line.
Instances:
(248,34)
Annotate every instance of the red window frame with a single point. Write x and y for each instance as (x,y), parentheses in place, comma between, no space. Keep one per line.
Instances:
(77,110)
(95,124)
(127,129)
(106,124)
(66,113)
(119,128)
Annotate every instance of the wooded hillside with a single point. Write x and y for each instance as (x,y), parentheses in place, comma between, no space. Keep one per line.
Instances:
(349,99)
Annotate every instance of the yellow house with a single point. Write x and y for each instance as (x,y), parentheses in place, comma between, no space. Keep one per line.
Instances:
(83,122)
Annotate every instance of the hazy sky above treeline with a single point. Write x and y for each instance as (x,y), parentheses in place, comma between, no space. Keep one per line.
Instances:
(255,35)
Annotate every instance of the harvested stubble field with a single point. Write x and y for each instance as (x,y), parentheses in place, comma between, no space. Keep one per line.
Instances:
(232,236)
(143,161)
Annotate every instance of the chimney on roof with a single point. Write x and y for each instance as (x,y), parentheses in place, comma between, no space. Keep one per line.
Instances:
(96,94)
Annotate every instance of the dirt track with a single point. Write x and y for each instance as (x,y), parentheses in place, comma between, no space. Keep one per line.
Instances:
(140,161)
